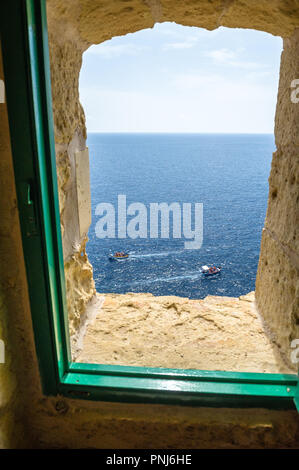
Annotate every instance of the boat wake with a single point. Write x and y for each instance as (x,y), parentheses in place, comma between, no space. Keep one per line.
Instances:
(197,275)
(134,255)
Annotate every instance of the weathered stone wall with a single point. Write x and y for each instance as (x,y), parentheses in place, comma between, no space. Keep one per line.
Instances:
(94,21)
(13,294)
(277,284)
(70,137)
(27,418)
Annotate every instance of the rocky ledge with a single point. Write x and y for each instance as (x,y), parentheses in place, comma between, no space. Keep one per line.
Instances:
(216,333)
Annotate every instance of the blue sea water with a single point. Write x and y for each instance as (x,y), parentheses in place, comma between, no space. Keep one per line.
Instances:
(228,173)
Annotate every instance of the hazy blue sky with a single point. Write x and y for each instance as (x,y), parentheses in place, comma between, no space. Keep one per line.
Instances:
(174,78)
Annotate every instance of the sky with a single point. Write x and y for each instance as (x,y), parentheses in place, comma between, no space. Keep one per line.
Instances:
(174,78)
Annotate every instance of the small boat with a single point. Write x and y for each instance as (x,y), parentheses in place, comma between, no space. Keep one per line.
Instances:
(210,270)
(118,256)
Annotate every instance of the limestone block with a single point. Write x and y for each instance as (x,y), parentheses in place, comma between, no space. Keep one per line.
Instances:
(66,60)
(277,17)
(80,286)
(283,203)
(287,111)
(277,294)
(278,276)
(83,191)
(95,21)
(216,333)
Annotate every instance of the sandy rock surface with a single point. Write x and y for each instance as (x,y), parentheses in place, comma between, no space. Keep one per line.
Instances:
(216,333)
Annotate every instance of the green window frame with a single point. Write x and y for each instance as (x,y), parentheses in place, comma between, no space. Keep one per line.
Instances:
(28,93)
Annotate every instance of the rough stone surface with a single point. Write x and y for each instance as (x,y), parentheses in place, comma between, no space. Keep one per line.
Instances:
(127,426)
(283,204)
(27,417)
(217,333)
(79,286)
(13,300)
(70,136)
(277,283)
(287,112)
(277,290)
(97,21)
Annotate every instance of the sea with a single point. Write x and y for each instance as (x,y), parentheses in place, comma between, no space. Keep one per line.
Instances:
(227,173)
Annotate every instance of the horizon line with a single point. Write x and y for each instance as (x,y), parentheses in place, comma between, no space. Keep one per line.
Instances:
(184,133)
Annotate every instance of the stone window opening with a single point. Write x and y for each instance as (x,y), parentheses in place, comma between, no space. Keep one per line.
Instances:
(46,279)
(84,304)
